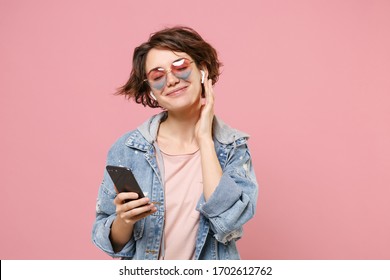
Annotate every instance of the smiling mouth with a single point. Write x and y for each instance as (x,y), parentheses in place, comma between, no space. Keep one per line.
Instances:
(176,91)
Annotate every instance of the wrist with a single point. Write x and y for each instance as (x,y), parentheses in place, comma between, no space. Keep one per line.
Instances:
(122,223)
(204,142)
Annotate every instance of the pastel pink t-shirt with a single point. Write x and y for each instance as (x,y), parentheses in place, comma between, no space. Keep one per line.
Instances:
(183,188)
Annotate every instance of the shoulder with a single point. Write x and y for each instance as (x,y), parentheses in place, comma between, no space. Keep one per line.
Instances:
(128,150)
(123,141)
(226,134)
(142,137)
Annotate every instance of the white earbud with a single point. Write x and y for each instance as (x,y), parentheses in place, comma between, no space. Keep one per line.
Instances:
(153,96)
(203,74)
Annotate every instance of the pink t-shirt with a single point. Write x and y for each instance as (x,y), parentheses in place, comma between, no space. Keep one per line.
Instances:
(183,188)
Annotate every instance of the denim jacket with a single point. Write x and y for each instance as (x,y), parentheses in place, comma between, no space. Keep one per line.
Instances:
(222,216)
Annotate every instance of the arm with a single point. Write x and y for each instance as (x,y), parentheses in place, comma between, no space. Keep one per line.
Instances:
(234,199)
(211,169)
(112,232)
(105,216)
(230,194)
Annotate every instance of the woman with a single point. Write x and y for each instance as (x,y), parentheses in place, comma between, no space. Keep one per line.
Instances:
(195,170)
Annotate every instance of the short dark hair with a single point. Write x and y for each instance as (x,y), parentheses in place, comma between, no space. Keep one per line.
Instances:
(180,39)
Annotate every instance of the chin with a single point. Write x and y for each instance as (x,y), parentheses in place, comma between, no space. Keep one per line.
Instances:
(183,105)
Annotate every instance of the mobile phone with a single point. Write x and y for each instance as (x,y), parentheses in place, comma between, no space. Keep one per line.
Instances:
(124,180)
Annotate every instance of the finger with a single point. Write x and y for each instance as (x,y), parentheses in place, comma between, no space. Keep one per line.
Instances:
(206,78)
(128,206)
(210,89)
(126,209)
(136,212)
(121,197)
(209,94)
(145,214)
(135,203)
(206,92)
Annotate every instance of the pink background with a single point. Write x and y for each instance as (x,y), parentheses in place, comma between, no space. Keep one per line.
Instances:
(309,80)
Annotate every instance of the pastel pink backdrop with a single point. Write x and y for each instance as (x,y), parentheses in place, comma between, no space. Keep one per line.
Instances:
(309,80)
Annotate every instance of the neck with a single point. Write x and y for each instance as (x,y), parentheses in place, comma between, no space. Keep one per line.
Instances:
(181,125)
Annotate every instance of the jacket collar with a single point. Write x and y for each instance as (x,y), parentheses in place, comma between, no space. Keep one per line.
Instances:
(148,131)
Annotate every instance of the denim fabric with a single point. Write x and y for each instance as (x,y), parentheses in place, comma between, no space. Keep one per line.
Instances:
(222,217)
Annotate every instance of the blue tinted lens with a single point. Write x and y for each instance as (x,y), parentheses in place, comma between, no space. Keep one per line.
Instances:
(158,84)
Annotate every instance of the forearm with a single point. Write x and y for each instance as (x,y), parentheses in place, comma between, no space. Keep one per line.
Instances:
(120,234)
(211,168)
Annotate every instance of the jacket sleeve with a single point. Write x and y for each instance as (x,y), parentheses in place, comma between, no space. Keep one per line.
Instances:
(105,215)
(234,200)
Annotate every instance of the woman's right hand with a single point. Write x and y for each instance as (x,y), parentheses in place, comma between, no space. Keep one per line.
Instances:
(134,209)
(128,213)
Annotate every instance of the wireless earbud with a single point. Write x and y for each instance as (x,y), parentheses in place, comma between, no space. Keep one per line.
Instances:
(153,96)
(203,74)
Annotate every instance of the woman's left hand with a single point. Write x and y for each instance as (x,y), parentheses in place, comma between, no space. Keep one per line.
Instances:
(204,126)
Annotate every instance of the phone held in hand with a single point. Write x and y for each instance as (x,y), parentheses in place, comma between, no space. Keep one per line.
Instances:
(124,180)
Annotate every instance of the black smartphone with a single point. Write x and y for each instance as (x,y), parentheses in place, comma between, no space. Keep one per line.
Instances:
(124,180)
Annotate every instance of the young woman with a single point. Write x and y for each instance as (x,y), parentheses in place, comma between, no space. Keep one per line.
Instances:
(195,170)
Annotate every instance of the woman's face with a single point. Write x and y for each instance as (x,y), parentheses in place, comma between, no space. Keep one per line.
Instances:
(174,79)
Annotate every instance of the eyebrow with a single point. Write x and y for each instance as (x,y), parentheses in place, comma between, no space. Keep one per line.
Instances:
(158,67)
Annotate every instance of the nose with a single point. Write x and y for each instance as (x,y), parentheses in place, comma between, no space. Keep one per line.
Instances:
(172,79)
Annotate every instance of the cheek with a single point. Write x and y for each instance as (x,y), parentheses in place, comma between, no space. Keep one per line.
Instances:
(195,84)
(197,89)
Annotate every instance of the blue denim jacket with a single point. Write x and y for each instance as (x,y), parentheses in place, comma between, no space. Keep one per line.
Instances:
(222,217)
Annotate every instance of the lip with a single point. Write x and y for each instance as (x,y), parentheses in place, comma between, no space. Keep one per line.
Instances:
(176,92)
